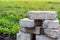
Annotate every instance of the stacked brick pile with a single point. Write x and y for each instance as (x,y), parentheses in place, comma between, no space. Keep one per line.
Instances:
(40,25)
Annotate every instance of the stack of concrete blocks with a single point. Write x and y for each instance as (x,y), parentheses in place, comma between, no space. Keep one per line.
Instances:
(40,25)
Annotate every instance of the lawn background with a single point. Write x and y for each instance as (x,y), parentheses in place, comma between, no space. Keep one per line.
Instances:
(11,11)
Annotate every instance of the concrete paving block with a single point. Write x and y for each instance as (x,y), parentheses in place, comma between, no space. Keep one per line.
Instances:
(18,36)
(58,38)
(23,36)
(23,29)
(43,37)
(42,15)
(27,30)
(51,24)
(26,23)
(59,31)
(59,34)
(53,33)
(35,30)
(45,24)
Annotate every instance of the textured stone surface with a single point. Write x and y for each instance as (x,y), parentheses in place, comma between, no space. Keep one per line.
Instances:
(58,38)
(53,33)
(45,24)
(42,14)
(59,34)
(27,30)
(23,29)
(43,37)
(51,24)
(35,30)
(26,23)
(18,36)
(23,36)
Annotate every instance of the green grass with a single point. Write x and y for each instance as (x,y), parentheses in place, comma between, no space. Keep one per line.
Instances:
(12,11)
(32,0)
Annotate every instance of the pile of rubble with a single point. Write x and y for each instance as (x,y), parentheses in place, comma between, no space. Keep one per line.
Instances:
(40,25)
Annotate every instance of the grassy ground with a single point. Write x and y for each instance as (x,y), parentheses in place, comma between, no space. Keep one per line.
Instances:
(12,11)
(22,7)
(32,0)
